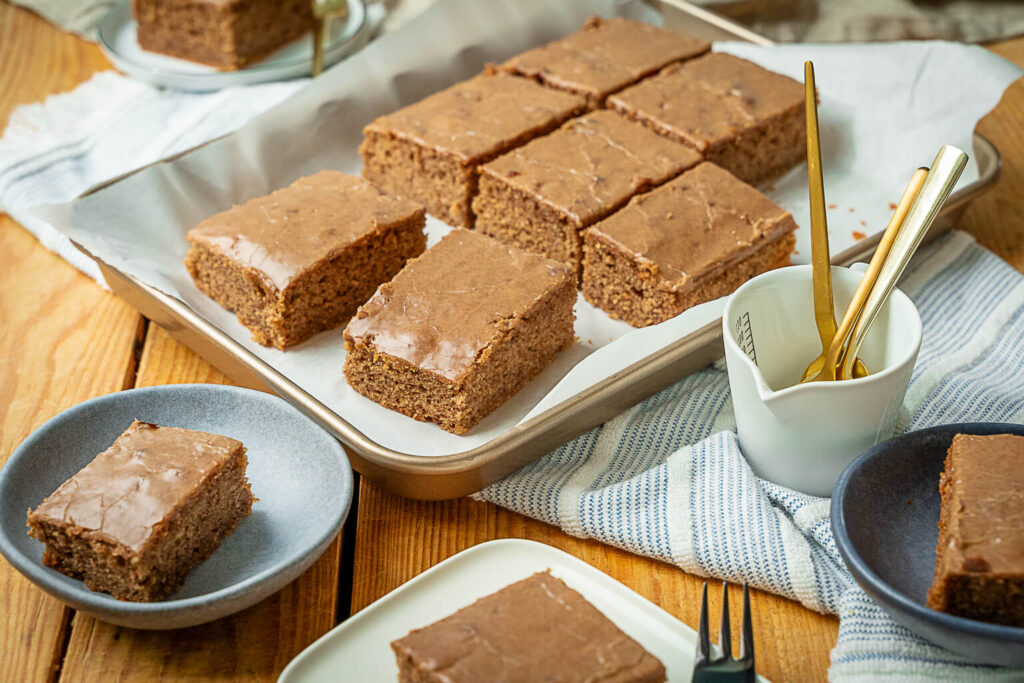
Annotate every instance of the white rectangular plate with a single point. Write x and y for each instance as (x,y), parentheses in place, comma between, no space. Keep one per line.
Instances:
(360,648)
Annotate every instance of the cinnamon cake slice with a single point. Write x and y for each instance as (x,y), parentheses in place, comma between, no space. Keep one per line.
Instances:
(537,629)
(301,260)
(460,330)
(692,240)
(604,56)
(745,118)
(979,564)
(138,518)
(540,196)
(227,34)
(430,151)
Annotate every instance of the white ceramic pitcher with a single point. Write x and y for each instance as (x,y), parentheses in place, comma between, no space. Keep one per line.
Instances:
(804,435)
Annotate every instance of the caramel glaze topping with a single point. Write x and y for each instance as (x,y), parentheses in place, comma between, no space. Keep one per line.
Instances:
(133,486)
(290,230)
(447,306)
(480,118)
(694,226)
(605,55)
(985,530)
(709,99)
(538,629)
(591,165)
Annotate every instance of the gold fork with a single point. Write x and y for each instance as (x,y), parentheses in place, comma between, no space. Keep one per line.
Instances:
(824,312)
(831,369)
(324,12)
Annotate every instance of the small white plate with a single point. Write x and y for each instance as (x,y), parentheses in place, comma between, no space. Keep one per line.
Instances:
(117,39)
(361,646)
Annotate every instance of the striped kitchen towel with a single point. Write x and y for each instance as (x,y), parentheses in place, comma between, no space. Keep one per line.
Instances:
(666,479)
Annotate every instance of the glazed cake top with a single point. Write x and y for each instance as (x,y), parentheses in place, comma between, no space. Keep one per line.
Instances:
(133,486)
(693,226)
(538,628)
(605,55)
(478,119)
(709,99)
(591,165)
(985,532)
(292,229)
(454,300)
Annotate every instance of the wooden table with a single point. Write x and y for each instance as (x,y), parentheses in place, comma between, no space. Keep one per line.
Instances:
(64,340)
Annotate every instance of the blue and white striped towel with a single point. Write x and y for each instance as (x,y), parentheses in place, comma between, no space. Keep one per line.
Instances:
(666,479)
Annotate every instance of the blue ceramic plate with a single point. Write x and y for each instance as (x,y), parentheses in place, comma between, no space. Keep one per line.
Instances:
(299,473)
(885,515)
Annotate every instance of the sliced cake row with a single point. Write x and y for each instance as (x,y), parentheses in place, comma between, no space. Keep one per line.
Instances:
(509,153)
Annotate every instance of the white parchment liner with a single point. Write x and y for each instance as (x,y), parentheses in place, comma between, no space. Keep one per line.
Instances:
(885,110)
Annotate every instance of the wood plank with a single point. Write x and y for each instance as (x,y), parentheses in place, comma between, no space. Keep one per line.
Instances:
(165,361)
(255,644)
(62,340)
(995,218)
(397,539)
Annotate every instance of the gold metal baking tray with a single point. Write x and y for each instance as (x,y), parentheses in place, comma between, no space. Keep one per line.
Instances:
(450,476)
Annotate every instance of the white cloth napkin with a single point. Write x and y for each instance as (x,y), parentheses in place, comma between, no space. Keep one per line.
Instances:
(666,479)
(53,151)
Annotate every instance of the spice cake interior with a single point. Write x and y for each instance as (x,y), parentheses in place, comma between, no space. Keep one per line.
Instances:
(460,330)
(137,519)
(979,564)
(227,34)
(303,259)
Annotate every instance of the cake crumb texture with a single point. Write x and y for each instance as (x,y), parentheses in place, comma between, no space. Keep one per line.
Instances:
(227,34)
(979,564)
(460,330)
(145,512)
(301,260)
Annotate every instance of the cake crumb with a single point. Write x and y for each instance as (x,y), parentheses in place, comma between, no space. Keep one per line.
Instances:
(833,206)
(892,206)
(857,235)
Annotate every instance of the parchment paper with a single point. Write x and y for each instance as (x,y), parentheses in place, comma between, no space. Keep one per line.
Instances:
(885,110)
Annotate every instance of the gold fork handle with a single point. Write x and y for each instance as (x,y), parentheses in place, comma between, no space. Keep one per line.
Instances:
(324,12)
(824,314)
(319,27)
(835,355)
(944,172)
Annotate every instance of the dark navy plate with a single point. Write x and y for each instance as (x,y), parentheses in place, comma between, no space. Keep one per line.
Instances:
(299,473)
(885,515)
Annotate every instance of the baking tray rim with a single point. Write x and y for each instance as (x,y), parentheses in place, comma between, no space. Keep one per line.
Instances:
(457,474)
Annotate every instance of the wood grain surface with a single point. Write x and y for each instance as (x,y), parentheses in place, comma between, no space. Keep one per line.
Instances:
(63,340)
